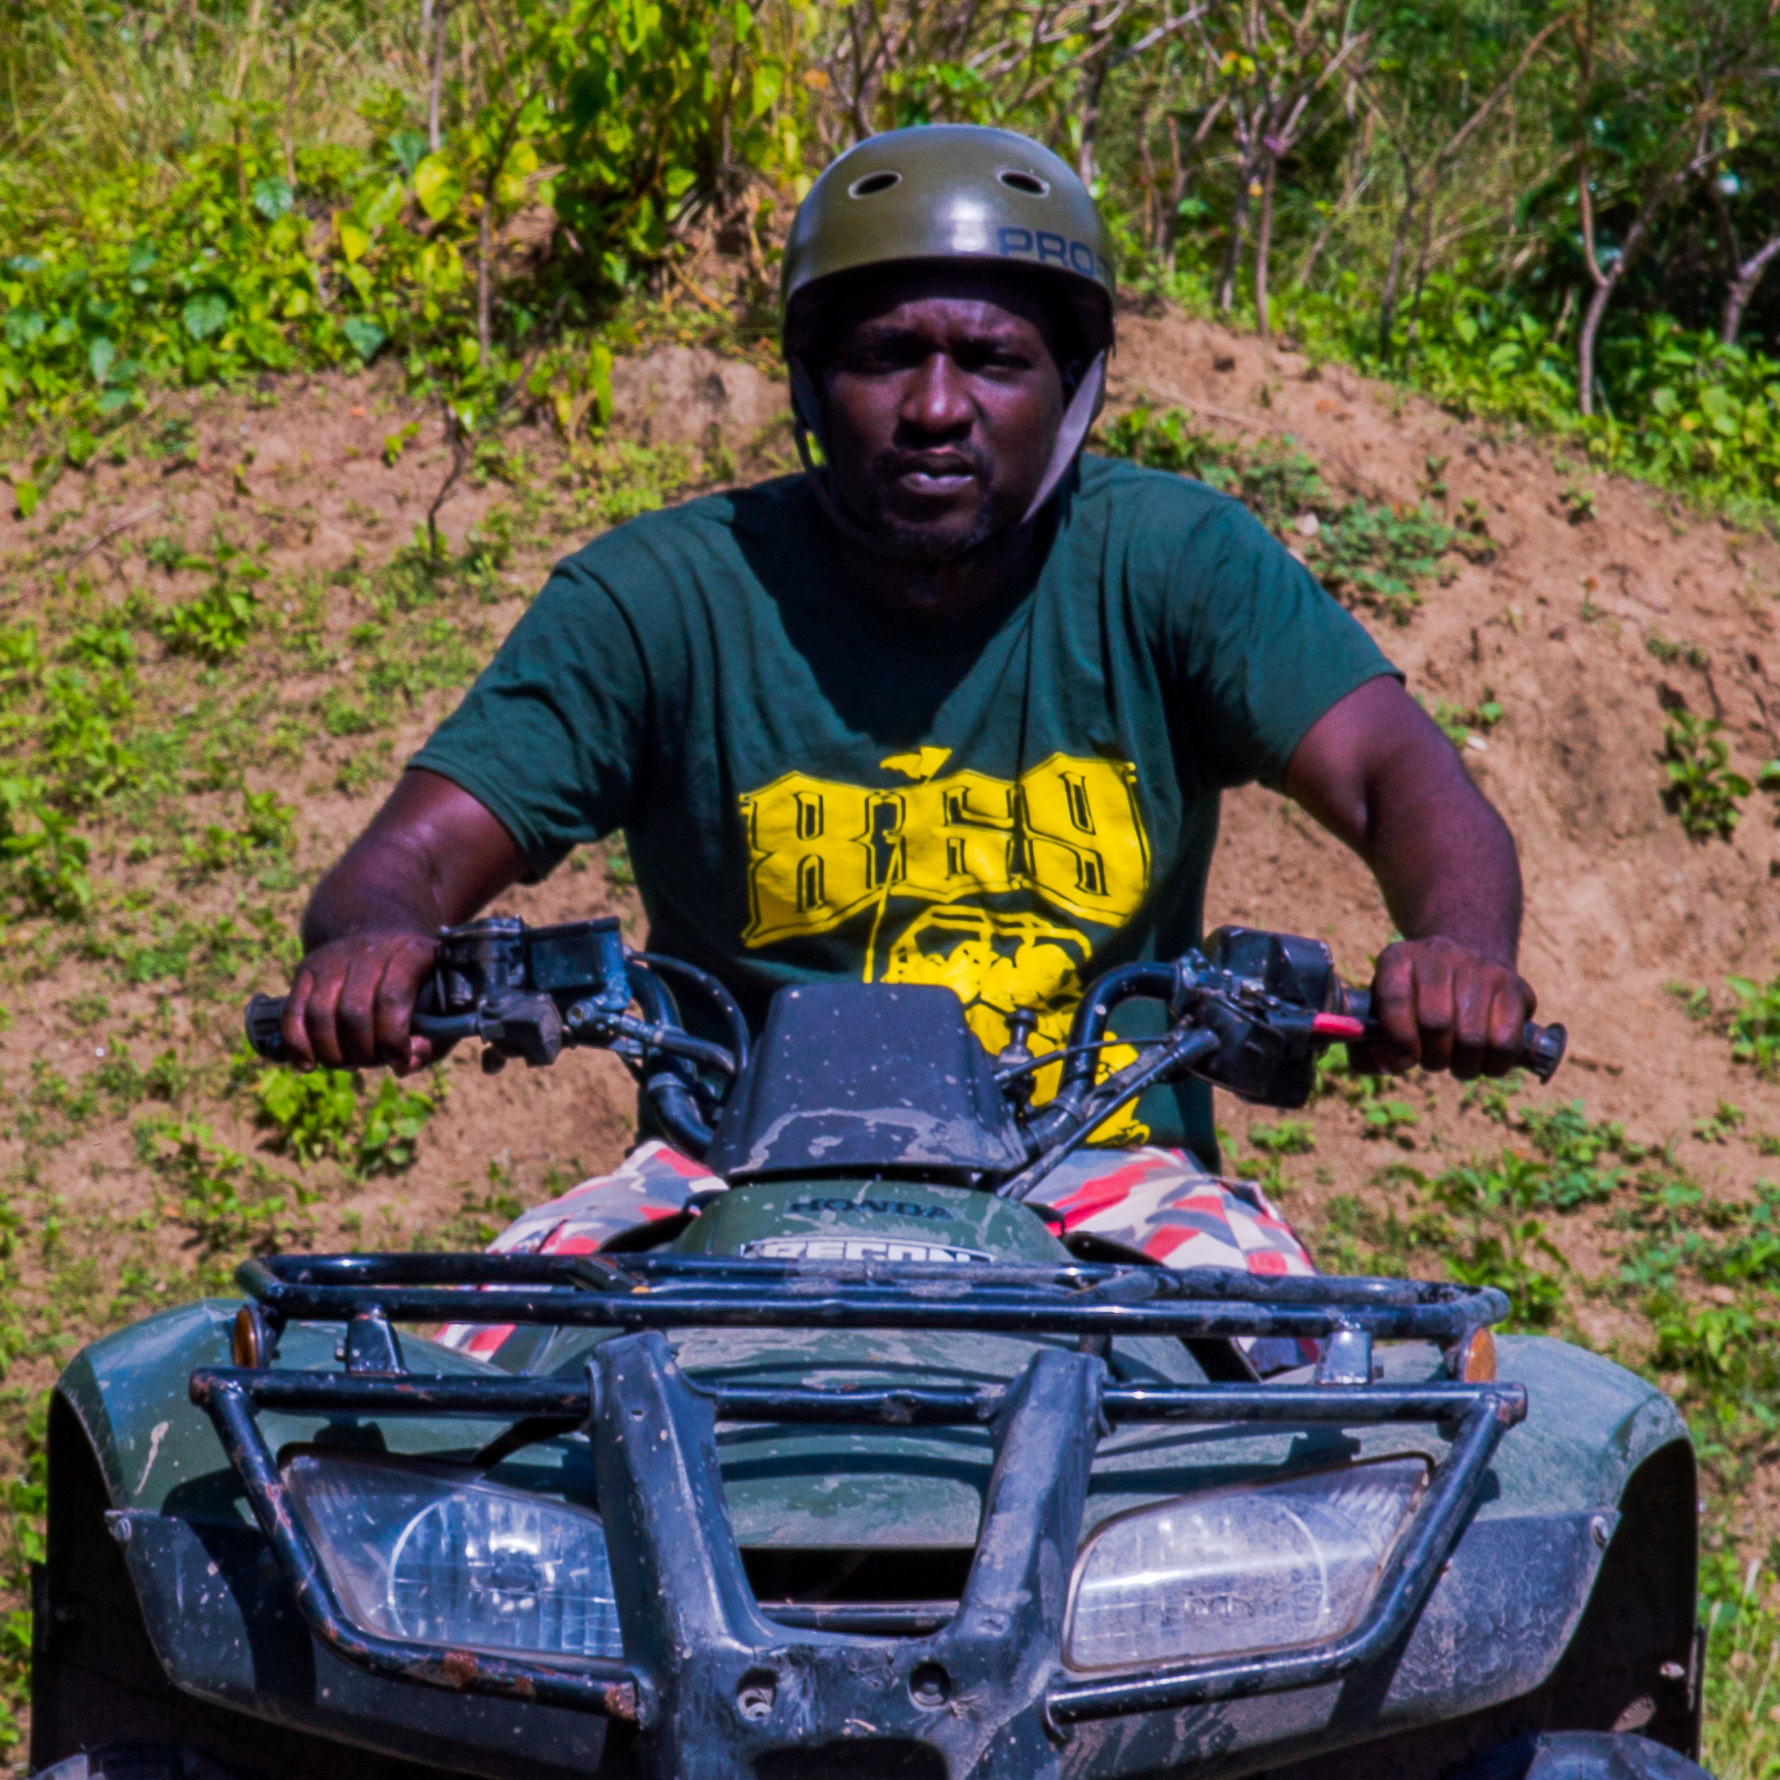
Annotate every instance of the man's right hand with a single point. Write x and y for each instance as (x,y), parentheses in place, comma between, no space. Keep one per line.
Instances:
(431,858)
(352,999)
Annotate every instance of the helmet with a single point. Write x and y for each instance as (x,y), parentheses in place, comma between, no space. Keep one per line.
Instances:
(952,192)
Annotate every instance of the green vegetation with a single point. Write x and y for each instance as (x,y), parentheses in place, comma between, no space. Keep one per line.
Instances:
(1703,794)
(1368,556)
(324,1113)
(1742,1670)
(1696,1270)
(1751,1021)
(188,197)
(153,853)
(1755,1024)
(1461,722)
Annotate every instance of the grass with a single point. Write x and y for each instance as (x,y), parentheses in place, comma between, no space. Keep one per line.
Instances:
(1743,1676)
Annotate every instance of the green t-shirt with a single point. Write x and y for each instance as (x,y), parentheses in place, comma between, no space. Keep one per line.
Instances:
(812,788)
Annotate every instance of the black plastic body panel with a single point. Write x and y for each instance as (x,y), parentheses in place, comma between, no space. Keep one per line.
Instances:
(869,1078)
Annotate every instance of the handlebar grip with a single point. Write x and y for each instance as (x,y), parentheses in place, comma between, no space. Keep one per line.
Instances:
(1541,1047)
(265,1026)
(265,1023)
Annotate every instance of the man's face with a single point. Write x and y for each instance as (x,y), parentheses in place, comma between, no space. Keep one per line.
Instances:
(943,400)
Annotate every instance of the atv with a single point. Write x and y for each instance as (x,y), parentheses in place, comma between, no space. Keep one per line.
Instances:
(785,1487)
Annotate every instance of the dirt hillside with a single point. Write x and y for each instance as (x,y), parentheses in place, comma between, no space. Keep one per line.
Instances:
(1576,580)
(1559,627)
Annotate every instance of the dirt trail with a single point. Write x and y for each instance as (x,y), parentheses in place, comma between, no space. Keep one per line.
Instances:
(1556,627)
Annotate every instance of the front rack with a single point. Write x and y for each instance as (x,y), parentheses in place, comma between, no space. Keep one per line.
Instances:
(684,1601)
(668,1292)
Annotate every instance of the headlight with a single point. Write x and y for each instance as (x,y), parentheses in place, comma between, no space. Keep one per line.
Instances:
(1269,1568)
(435,1556)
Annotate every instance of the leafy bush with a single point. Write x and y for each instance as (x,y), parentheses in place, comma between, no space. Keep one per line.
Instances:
(1578,1155)
(392,1128)
(217,623)
(1702,792)
(226,1200)
(268,830)
(61,725)
(1504,1242)
(1687,411)
(1460,722)
(263,255)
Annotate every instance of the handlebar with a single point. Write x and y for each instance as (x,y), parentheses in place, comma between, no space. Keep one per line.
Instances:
(1250,1013)
(1541,1047)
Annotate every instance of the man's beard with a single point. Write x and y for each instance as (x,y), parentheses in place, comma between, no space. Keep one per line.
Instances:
(912,541)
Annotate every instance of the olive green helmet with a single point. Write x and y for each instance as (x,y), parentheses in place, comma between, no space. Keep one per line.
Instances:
(953,192)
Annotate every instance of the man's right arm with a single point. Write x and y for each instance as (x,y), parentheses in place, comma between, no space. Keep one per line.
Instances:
(431,857)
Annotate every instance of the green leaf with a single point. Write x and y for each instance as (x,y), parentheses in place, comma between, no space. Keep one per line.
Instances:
(365,335)
(81,446)
(100,354)
(435,187)
(384,205)
(26,495)
(205,314)
(407,146)
(272,197)
(354,239)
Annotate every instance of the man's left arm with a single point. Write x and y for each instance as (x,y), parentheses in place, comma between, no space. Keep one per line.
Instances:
(1378,773)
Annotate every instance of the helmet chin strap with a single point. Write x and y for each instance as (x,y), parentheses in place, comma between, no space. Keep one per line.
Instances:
(1072,434)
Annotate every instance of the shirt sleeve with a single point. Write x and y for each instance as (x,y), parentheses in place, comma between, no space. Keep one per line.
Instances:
(1257,649)
(549,737)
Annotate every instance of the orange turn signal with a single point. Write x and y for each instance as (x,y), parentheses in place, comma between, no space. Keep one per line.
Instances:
(247,1340)
(1477,1357)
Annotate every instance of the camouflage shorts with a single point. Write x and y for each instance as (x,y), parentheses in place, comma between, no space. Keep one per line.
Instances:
(1160,1203)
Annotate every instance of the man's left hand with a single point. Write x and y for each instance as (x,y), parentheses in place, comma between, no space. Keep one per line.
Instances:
(1443,1006)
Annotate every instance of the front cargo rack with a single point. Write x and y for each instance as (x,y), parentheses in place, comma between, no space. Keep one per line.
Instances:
(687,1611)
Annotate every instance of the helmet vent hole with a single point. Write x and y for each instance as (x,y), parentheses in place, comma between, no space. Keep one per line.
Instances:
(1029,183)
(869,184)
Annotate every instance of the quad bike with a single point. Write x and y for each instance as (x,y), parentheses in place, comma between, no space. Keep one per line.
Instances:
(863,1466)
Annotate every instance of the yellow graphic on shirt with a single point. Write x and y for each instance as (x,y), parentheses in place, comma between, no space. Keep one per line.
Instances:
(995,963)
(1068,833)
(821,852)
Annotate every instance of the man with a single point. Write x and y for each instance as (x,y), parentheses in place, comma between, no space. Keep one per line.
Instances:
(955,705)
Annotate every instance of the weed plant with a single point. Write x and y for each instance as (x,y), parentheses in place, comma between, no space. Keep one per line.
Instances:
(1702,792)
